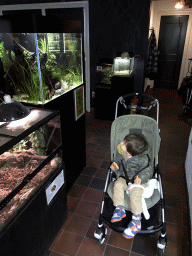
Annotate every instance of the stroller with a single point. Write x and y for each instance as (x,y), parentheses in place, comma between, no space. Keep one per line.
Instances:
(135,124)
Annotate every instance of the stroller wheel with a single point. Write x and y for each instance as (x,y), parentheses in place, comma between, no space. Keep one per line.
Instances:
(100,233)
(161,252)
(162,244)
(101,241)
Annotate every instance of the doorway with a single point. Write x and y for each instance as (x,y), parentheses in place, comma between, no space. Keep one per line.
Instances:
(171,44)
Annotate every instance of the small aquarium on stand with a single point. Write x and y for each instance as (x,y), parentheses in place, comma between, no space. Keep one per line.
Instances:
(32,184)
(123,76)
(123,65)
(39,67)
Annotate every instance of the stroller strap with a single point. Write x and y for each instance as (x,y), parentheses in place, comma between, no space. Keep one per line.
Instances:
(128,180)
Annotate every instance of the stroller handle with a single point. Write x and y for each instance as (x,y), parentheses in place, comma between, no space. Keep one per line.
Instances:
(137,94)
(153,103)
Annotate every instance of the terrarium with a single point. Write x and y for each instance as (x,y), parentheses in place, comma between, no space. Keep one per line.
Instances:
(124,65)
(30,151)
(39,67)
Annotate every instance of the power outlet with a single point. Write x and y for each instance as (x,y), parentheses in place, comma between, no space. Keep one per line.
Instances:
(93,94)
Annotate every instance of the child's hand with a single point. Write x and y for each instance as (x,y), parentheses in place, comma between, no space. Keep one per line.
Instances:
(114,166)
(137,181)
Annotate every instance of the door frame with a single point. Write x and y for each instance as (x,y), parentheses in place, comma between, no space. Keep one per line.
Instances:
(64,5)
(155,20)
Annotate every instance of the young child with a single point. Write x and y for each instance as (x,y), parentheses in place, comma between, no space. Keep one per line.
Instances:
(132,153)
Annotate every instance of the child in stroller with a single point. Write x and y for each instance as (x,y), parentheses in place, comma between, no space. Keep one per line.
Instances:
(152,220)
(132,154)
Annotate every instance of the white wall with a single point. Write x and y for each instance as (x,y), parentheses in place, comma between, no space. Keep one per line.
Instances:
(166,7)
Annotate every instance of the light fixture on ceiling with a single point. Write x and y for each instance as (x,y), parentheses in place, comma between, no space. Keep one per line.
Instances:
(179,5)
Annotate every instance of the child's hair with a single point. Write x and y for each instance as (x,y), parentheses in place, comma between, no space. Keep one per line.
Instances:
(135,144)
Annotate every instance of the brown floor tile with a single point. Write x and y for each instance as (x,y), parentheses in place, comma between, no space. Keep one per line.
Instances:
(105,142)
(83,180)
(68,243)
(174,215)
(102,173)
(97,213)
(90,152)
(173,201)
(86,209)
(172,189)
(57,237)
(102,148)
(173,249)
(54,254)
(108,156)
(105,164)
(95,162)
(145,245)
(113,251)
(76,191)
(78,224)
(69,214)
(176,178)
(97,183)
(92,228)
(90,247)
(174,233)
(99,154)
(72,203)
(93,195)
(89,170)
(117,240)
(94,140)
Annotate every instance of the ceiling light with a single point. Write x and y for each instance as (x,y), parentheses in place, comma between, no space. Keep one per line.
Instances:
(179,5)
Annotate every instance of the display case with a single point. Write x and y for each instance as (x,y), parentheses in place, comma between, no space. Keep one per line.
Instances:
(32,183)
(39,67)
(124,65)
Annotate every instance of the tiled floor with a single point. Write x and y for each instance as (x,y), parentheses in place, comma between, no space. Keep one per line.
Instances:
(76,236)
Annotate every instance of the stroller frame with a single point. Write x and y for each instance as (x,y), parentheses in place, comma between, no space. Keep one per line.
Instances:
(101,231)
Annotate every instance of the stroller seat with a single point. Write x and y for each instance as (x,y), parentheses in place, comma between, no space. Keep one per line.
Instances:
(136,124)
(150,202)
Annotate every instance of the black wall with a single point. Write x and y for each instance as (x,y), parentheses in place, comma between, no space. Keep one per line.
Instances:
(115,26)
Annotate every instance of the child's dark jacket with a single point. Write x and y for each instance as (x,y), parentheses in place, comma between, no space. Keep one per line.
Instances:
(133,165)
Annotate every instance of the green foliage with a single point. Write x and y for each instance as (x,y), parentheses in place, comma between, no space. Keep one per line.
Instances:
(43,45)
(37,140)
(4,55)
(107,75)
(21,145)
(69,78)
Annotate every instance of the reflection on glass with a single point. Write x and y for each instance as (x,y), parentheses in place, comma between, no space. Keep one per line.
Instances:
(60,60)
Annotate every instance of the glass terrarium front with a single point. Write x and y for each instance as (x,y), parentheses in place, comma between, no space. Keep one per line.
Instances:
(23,159)
(37,68)
(123,66)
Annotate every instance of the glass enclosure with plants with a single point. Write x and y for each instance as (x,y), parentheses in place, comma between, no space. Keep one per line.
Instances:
(123,66)
(28,163)
(37,68)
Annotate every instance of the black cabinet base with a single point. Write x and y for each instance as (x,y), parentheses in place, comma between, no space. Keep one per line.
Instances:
(34,228)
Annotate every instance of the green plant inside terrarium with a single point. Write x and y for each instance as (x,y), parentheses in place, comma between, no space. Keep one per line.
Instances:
(107,73)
